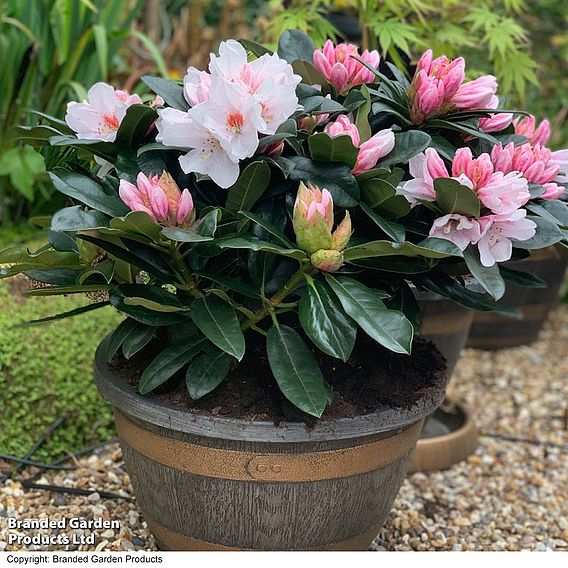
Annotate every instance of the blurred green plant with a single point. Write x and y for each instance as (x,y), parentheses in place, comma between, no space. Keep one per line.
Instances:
(51,50)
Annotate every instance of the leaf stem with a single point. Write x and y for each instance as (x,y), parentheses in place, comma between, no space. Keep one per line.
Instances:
(279,297)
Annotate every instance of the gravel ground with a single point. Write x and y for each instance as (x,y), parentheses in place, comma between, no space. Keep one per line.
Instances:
(512,494)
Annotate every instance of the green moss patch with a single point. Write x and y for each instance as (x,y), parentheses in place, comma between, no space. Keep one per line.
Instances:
(47,372)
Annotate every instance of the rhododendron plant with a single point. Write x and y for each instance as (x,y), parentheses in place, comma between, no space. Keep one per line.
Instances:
(294,196)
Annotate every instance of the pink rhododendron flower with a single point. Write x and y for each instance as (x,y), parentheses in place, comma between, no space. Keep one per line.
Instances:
(501,193)
(560,158)
(526,126)
(476,94)
(196,86)
(336,64)
(313,223)
(434,84)
(160,198)
(272,150)
(536,163)
(495,122)
(99,117)
(498,234)
(309,123)
(459,229)
(424,169)
(187,131)
(370,151)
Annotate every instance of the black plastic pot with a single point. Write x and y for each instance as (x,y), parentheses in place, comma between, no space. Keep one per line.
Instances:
(209,482)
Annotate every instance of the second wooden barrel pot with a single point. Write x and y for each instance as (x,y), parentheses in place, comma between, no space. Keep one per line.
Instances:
(211,482)
(494,331)
(449,435)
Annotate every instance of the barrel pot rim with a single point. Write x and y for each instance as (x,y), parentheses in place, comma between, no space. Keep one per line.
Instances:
(157,413)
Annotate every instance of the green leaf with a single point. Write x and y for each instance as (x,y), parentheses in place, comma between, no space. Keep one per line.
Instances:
(206,372)
(488,276)
(406,146)
(556,211)
(296,370)
(547,234)
(89,192)
(137,223)
(429,248)
(309,74)
(117,337)
(248,189)
(218,321)
(324,321)
(522,278)
(394,230)
(268,227)
(254,47)
(336,178)
(325,148)
(388,327)
(462,127)
(362,116)
(252,243)
(155,297)
(184,235)
(167,364)
(294,44)
(70,313)
(135,125)
(101,43)
(137,339)
(106,150)
(453,197)
(77,218)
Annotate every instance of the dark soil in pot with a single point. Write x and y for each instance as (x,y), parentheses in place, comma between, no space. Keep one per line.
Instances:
(494,331)
(217,475)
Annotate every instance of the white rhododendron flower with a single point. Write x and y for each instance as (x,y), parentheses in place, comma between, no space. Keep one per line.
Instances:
(230,106)
(99,117)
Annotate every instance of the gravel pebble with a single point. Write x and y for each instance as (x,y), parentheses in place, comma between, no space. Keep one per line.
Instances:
(510,495)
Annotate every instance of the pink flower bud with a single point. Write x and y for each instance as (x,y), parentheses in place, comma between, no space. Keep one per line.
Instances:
(341,127)
(337,65)
(371,151)
(160,198)
(553,191)
(475,94)
(495,122)
(478,171)
(525,126)
(327,260)
(342,234)
(313,218)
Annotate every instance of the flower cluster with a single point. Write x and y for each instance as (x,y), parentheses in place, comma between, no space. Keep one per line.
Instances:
(439,87)
(338,65)
(231,106)
(313,224)
(502,194)
(99,117)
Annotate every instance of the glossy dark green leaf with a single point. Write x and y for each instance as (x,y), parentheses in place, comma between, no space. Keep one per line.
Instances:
(362,115)
(251,243)
(547,234)
(135,125)
(136,223)
(310,75)
(218,321)
(390,328)
(553,210)
(170,91)
(394,230)
(336,178)
(462,127)
(522,278)
(268,227)
(206,372)
(184,235)
(325,148)
(387,248)
(88,191)
(137,339)
(255,48)
(248,189)
(488,277)
(453,197)
(77,218)
(296,371)
(407,145)
(324,321)
(167,363)
(63,315)
(295,44)
(117,337)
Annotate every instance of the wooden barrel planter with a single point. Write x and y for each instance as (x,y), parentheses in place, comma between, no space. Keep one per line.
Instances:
(494,331)
(209,482)
(449,435)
